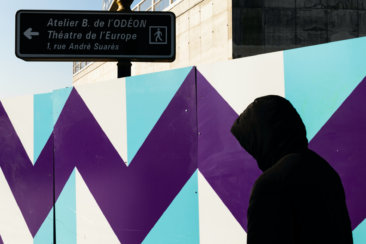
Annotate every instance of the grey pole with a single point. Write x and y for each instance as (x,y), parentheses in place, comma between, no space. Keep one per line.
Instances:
(124,66)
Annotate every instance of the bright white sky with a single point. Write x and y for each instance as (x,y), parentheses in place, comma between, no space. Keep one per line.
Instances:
(18,77)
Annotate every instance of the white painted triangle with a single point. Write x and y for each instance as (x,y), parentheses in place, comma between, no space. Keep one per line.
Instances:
(107,102)
(91,224)
(217,224)
(21,114)
(240,81)
(13,228)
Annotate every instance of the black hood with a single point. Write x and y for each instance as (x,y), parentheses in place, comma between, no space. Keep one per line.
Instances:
(270,128)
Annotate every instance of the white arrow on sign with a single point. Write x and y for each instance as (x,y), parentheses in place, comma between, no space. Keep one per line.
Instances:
(29,33)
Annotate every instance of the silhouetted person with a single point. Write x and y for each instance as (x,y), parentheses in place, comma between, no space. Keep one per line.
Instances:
(299,198)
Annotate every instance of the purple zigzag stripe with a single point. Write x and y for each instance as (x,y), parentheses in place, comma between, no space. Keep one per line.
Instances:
(131,198)
(229,169)
(32,186)
(342,142)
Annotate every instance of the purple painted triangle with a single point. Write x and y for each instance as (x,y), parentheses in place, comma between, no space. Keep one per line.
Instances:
(131,198)
(228,168)
(32,186)
(342,142)
(1,240)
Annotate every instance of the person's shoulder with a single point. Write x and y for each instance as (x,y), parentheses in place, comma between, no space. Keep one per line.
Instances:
(293,159)
(269,180)
(298,168)
(288,164)
(304,161)
(286,170)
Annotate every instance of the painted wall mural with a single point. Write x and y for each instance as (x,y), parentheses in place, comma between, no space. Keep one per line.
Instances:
(150,158)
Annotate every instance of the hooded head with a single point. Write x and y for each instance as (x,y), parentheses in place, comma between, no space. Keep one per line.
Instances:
(270,128)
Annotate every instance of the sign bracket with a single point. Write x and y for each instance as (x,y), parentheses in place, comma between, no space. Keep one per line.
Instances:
(124,66)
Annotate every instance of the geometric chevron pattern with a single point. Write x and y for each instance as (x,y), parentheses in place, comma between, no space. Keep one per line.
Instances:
(150,159)
(319,78)
(342,142)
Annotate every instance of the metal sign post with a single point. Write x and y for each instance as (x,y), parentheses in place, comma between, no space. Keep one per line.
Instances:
(124,67)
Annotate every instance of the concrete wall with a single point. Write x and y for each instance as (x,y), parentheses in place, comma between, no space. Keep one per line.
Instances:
(203,35)
(268,26)
(96,71)
(217,30)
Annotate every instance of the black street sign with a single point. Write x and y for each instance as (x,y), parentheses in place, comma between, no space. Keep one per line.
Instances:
(94,35)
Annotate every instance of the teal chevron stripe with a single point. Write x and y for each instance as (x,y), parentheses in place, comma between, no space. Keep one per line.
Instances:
(65,217)
(59,98)
(179,223)
(319,78)
(66,213)
(43,121)
(47,109)
(147,96)
(359,233)
(45,232)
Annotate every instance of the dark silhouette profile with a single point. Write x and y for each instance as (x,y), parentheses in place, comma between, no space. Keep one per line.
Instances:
(299,198)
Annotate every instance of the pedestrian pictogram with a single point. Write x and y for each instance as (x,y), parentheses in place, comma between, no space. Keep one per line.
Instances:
(158,35)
